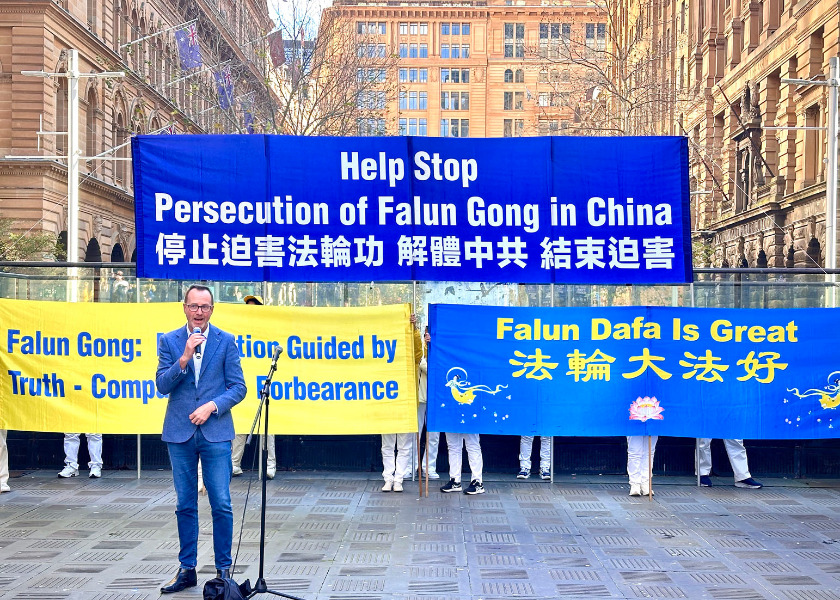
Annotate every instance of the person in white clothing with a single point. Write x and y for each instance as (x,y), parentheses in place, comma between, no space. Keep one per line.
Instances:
(638,463)
(71,454)
(737,458)
(4,463)
(238,449)
(395,466)
(238,445)
(526,445)
(456,442)
(430,452)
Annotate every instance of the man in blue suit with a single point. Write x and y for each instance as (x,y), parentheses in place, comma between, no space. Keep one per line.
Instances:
(202,375)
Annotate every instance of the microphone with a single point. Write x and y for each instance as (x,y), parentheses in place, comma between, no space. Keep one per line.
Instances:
(197,348)
(277,352)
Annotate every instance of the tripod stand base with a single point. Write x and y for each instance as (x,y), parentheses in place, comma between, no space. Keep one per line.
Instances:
(260,587)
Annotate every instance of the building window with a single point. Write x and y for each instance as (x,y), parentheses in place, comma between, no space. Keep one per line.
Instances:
(514,127)
(444,28)
(424,75)
(465,28)
(424,29)
(412,51)
(596,37)
(412,100)
(454,100)
(403,126)
(444,50)
(413,28)
(403,50)
(403,75)
(403,100)
(371,127)
(508,75)
(424,51)
(455,128)
(424,100)
(514,100)
(403,28)
(423,128)
(514,40)
(519,76)
(465,50)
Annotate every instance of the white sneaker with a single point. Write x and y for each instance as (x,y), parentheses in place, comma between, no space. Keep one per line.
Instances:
(5,488)
(398,487)
(69,471)
(635,489)
(389,485)
(237,471)
(95,472)
(270,473)
(646,489)
(433,475)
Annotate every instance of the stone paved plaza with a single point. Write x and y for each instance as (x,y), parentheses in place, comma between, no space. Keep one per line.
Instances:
(335,536)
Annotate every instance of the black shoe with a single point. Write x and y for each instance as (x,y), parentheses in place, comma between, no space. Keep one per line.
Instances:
(223,573)
(184,579)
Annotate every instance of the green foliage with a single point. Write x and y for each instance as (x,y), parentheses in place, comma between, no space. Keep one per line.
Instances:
(702,253)
(17,245)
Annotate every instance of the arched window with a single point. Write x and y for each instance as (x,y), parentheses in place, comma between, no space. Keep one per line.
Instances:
(93,253)
(91,127)
(508,76)
(118,138)
(61,116)
(519,76)
(117,254)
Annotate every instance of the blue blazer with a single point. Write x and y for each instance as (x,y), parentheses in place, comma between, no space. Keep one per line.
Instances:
(221,380)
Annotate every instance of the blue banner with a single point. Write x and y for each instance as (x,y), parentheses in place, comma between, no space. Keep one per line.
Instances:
(524,210)
(717,373)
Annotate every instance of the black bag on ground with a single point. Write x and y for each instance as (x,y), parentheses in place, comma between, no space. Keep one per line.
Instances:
(226,589)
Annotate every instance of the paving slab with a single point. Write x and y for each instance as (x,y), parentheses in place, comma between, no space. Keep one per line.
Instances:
(336,536)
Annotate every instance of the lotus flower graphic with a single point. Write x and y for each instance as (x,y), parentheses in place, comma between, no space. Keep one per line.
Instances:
(646,408)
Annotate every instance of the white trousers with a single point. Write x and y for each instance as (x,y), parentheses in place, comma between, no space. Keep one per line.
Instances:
(526,444)
(71,449)
(734,449)
(431,450)
(238,449)
(395,462)
(637,457)
(4,459)
(456,442)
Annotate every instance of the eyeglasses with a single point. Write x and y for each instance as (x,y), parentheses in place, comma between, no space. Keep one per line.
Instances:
(200,307)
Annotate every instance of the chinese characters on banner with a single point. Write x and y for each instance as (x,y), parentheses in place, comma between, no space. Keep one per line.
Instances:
(531,210)
(758,374)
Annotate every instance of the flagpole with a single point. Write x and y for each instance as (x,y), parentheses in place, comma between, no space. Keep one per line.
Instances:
(148,37)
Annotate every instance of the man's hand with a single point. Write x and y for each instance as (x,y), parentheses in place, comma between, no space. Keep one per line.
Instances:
(202,413)
(194,341)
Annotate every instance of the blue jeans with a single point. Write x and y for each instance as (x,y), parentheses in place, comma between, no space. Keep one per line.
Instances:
(217,471)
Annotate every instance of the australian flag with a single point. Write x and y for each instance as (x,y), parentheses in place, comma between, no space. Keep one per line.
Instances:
(189,51)
(224,85)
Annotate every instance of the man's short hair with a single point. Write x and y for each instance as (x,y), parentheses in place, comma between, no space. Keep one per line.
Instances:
(200,288)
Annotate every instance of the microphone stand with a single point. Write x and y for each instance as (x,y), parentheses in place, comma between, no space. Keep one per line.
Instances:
(260,586)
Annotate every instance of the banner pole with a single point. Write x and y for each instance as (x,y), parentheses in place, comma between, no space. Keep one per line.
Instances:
(427,463)
(139,452)
(551,439)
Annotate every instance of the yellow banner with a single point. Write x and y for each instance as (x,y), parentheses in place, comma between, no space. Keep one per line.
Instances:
(88,367)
